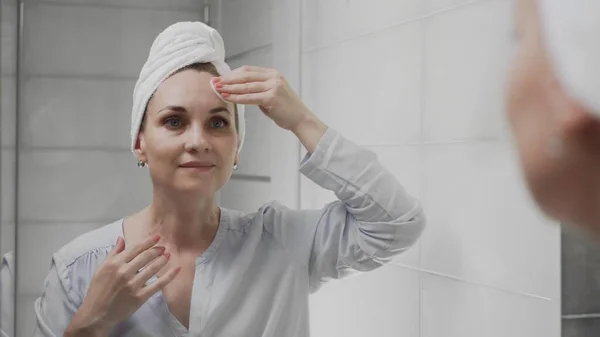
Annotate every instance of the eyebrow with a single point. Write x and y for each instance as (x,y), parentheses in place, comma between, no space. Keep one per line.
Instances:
(181,109)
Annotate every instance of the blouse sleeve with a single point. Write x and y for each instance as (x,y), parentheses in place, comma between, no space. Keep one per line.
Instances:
(373,220)
(55,308)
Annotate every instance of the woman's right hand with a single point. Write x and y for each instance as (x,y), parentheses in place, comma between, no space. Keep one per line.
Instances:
(119,287)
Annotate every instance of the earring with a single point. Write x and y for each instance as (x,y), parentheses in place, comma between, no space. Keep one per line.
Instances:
(141,164)
(235,167)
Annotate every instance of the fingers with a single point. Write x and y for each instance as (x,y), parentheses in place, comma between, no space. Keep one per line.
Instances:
(245,74)
(119,247)
(242,88)
(131,253)
(150,270)
(143,259)
(248,67)
(255,99)
(160,283)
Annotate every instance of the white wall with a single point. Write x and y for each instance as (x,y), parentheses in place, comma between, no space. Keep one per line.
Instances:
(421,83)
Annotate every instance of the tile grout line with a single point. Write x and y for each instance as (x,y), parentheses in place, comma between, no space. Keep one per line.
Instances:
(580,316)
(391,26)
(124,149)
(421,159)
(58,3)
(241,55)
(454,278)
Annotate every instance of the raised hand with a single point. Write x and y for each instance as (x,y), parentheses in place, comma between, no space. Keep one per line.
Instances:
(119,286)
(266,88)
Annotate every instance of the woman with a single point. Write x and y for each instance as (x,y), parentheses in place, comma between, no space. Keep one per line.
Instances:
(554,107)
(185,266)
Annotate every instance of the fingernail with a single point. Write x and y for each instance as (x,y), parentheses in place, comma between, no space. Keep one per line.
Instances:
(216,79)
(178,270)
(219,86)
(167,255)
(225,94)
(156,237)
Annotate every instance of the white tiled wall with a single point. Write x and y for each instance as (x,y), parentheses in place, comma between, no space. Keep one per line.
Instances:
(422,84)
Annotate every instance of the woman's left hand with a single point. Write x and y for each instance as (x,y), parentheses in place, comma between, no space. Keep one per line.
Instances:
(266,88)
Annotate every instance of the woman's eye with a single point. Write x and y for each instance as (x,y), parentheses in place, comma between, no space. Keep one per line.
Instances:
(218,123)
(173,122)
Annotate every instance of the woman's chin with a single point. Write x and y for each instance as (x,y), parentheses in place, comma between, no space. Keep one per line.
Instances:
(200,187)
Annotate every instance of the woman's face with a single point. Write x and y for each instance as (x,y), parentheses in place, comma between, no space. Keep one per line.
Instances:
(189,138)
(557,140)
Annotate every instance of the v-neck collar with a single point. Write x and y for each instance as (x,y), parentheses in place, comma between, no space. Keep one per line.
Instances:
(157,301)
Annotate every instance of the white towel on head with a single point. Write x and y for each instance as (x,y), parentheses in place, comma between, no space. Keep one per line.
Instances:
(571,30)
(176,47)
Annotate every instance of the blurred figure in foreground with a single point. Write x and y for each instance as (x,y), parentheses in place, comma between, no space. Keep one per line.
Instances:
(554,107)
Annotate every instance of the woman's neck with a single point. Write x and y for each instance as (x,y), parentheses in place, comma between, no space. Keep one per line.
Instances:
(188,223)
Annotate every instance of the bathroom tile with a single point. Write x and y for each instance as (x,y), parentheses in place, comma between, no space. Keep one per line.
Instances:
(580,273)
(467,61)
(71,40)
(60,112)
(483,225)
(452,308)
(187,4)
(244,195)
(8,37)
(252,28)
(432,6)
(26,320)
(7,236)
(328,22)
(580,327)
(383,302)
(255,158)
(81,185)
(8,108)
(358,96)
(7,185)
(322,22)
(262,57)
(37,243)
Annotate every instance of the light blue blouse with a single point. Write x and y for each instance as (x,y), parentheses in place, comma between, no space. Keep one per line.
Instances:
(256,276)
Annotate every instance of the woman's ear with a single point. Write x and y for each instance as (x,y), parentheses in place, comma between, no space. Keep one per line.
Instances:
(139,148)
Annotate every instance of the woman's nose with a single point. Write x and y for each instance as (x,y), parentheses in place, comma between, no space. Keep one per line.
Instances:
(197,139)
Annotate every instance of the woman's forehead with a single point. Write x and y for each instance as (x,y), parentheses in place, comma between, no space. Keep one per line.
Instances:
(190,89)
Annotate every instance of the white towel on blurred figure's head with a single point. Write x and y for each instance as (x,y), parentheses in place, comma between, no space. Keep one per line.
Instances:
(571,31)
(176,47)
